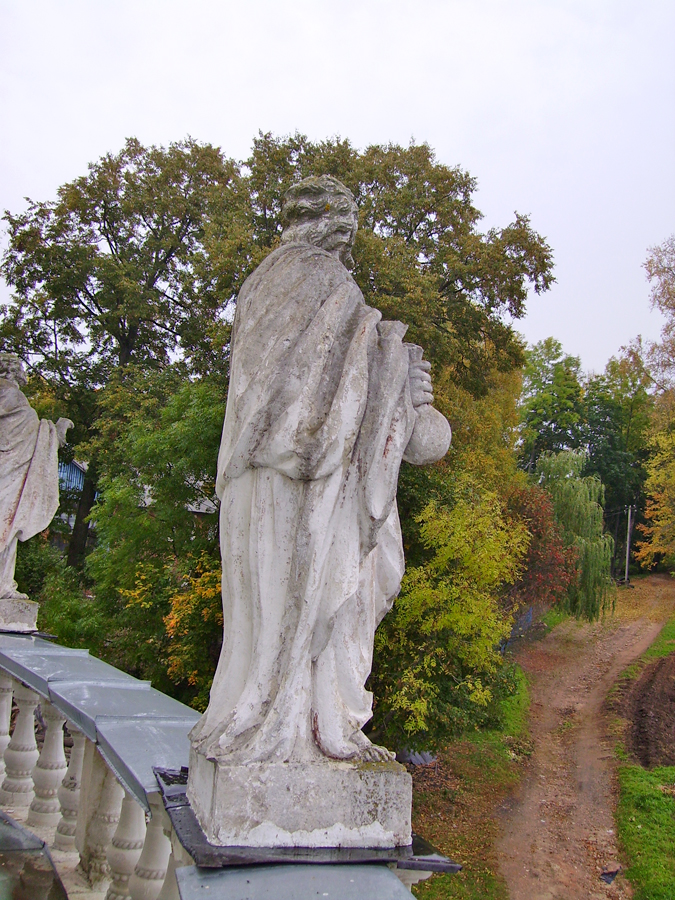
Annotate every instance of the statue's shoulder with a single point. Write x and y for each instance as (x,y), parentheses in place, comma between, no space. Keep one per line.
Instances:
(11,397)
(302,255)
(293,264)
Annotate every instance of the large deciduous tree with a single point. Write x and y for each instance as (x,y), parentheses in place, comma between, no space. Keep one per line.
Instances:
(552,402)
(113,273)
(420,255)
(659,527)
(660,269)
(618,406)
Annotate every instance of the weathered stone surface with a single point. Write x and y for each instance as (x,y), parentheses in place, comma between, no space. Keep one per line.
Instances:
(29,476)
(324,402)
(18,615)
(327,803)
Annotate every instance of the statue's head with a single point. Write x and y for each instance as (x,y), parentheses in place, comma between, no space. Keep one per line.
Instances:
(12,369)
(321,211)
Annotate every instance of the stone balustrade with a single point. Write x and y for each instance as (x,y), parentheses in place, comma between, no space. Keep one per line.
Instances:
(100,806)
(94,800)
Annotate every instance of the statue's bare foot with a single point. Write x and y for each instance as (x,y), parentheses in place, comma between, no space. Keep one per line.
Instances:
(14,595)
(373,753)
(369,752)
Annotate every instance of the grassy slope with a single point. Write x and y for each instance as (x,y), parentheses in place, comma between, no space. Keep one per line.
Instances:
(645,816)
(454,804)
(645,820)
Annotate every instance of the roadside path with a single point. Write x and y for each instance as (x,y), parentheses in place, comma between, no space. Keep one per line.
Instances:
(558,830)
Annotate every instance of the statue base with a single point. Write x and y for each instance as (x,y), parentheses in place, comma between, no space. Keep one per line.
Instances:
(321,803)
(18,615)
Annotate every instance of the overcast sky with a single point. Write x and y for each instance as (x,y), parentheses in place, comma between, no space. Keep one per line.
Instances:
(562,109)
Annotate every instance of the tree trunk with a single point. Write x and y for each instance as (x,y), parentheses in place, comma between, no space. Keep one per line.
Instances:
(77,547)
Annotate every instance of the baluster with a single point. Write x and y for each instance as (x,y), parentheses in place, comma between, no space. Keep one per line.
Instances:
(6,691)
(125,848)
(100,803)
(69,794)
(22,752)
(170,885)
(102,828)
(150,871)
(49,771)
(178,859)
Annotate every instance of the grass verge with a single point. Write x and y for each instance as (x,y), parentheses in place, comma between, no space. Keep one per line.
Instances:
(554,616)
(664,645)
(454,802)
(645,819)
(645,815)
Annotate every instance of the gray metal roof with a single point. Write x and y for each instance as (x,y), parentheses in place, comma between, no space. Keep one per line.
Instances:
(288,882)
(135,726)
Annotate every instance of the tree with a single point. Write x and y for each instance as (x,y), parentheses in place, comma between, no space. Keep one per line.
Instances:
(618,407)
(420,256)
(660,269)
(658,528)
(552,407)
(438,668)
(577,503)
(549,567)
(157,517)
(114,273)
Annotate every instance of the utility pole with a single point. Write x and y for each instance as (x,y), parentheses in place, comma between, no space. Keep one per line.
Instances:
(630,510)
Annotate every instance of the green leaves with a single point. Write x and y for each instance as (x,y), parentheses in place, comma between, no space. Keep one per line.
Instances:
(552,404)
(439,668)
(420,257)
(107,274)
(577,502)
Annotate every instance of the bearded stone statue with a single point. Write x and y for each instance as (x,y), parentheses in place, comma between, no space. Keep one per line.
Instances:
(325,401)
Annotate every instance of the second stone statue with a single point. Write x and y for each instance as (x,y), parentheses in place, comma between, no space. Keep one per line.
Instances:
(325,401)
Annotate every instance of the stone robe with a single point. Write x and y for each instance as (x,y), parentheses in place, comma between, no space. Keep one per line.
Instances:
(29,477)
(318,418)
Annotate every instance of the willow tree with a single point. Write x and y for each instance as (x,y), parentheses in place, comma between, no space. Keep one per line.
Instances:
(578,503)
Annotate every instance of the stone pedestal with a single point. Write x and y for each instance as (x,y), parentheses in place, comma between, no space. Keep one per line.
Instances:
(18,615)
(323,803)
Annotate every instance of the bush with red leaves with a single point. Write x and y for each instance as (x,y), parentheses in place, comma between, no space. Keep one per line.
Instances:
(549,566)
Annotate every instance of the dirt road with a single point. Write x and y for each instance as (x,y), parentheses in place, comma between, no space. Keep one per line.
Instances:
(558,830)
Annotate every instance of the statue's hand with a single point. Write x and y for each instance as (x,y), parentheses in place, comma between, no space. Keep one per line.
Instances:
(421,391)
(62,427)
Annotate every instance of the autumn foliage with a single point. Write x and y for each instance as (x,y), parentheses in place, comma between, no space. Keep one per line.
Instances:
(549,565)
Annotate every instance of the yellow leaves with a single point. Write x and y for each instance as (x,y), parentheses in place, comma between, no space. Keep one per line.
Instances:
(201,594)
(474,542)
(659,529)
(442,640)
(478,694)
(142,592)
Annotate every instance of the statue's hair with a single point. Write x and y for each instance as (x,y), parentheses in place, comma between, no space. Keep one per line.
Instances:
(11,367)
(310,206)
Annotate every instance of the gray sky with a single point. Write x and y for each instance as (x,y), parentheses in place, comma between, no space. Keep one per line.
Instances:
(562,109)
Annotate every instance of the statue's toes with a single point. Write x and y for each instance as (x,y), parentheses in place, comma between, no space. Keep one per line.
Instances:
(373,753)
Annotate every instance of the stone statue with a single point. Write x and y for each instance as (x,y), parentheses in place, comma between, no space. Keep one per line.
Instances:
(324,402)
(29,477)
